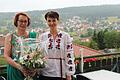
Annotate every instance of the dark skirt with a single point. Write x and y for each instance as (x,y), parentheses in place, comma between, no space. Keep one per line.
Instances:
(14,74)
(49,78)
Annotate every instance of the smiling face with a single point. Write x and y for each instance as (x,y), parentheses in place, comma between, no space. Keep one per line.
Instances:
(22,22)
(52,22)
(52,19)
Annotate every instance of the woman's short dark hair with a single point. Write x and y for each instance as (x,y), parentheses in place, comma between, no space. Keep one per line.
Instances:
(17,17)
(52,14)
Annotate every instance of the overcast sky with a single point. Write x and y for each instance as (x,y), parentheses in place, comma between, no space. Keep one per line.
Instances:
(29,5)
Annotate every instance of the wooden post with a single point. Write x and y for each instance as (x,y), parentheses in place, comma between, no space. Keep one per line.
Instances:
(81,62)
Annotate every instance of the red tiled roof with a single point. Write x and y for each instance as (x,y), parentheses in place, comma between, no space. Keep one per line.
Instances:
(86,51)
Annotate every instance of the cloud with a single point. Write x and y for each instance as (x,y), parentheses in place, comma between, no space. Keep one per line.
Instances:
(26,5)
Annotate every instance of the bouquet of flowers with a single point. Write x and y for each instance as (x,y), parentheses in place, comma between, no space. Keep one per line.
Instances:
(32,56)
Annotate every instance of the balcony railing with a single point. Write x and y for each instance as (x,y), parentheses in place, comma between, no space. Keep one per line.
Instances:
(92,63)
(3,71)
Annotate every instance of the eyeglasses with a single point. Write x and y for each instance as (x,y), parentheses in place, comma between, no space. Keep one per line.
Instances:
(22,21)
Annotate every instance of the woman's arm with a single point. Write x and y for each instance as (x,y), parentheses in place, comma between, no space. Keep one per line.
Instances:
(8,52)
(69,57)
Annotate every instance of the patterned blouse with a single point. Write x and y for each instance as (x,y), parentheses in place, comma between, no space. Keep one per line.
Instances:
(59,51)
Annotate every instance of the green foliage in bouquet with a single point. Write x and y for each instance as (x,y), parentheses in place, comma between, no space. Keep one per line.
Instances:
(33,58)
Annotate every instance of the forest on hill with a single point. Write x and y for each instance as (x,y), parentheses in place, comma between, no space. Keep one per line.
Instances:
(37,16)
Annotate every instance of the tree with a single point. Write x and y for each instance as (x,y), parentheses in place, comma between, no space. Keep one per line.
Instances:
(112,39)
(76,41)
(93,45)
(98,37)
(100,40)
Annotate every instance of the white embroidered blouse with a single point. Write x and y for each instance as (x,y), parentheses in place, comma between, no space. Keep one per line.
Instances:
(60,48)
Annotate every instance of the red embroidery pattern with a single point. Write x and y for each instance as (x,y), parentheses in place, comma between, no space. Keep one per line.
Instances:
(58,40)
(70,62)
(69,46)
(60,35)
(69,55)
(50,46)
(70,68)
(58,43)
(49,35)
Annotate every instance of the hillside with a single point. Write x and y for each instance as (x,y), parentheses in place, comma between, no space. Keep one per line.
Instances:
(91,12)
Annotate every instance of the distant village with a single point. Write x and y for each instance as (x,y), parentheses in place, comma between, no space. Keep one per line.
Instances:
(79,27)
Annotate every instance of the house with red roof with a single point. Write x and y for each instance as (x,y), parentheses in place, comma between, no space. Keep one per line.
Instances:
(85,52)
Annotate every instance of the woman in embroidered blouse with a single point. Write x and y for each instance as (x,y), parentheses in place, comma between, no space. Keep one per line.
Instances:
(14,70)
(58,46)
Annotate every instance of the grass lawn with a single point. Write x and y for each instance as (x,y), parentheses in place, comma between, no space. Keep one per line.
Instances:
(2,60)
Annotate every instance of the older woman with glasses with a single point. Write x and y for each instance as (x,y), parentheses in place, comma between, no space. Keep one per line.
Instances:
(14,70)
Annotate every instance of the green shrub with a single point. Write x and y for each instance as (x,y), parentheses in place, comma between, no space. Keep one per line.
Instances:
(2,60)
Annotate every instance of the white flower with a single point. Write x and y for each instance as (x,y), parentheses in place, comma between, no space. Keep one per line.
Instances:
(33,55)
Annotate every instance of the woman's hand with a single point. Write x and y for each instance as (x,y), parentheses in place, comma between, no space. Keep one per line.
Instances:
(68,77)
(28,72)
(25,72)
